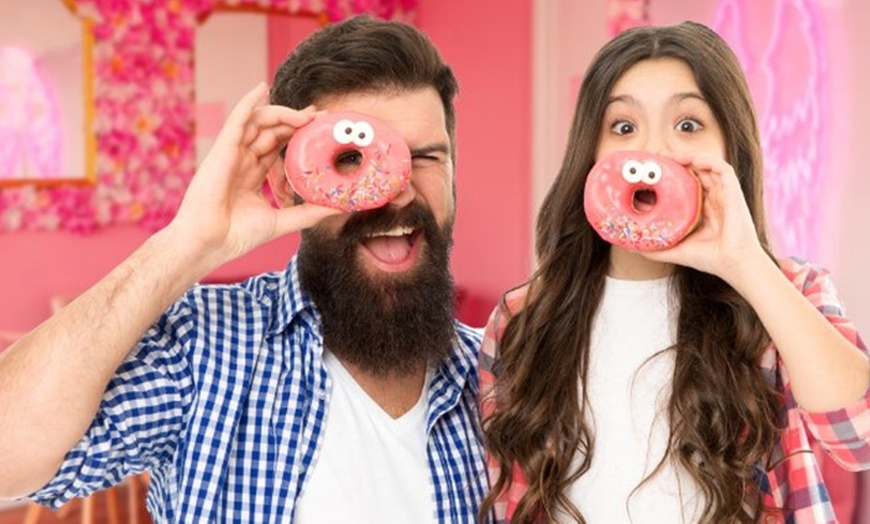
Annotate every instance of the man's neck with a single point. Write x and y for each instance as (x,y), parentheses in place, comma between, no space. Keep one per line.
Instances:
(395,393)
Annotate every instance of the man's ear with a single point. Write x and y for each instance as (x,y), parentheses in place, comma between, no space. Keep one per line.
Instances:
(282,193)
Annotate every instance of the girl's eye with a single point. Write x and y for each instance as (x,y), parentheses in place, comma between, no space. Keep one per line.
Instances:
(622,127)
(689,125)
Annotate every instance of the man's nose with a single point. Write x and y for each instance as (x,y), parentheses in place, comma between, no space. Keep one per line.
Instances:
(405,197)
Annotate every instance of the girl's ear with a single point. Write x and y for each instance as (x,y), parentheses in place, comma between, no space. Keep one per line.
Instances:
(282,193)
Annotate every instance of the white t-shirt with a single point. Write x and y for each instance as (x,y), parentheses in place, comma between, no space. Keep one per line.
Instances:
(371,468)
(628,389)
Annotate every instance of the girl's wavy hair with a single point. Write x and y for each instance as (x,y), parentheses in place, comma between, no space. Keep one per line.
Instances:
(723,413)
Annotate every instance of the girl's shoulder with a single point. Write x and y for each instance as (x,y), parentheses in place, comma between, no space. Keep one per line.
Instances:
(510,304)
(812,280)
(801,271)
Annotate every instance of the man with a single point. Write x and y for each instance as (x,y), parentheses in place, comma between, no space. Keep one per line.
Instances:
(339,390)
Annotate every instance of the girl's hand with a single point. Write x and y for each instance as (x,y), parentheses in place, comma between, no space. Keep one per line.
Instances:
(725,242)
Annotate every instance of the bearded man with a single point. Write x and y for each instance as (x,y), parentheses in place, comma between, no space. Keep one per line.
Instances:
(338,390)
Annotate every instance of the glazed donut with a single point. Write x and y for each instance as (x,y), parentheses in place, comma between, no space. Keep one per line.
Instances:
(641,201)
(347,161)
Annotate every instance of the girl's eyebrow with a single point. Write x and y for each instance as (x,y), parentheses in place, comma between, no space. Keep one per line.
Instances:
(677,97)
(627,99)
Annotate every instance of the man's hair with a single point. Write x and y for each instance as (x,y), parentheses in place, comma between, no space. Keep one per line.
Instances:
(363,54)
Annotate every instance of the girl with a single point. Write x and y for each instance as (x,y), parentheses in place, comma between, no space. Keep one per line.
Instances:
(675,386)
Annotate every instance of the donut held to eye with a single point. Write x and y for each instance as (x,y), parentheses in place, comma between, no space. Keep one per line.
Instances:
(348,161)
(642,201)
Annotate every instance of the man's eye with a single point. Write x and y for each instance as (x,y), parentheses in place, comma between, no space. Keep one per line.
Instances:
(348,161)
(622,127)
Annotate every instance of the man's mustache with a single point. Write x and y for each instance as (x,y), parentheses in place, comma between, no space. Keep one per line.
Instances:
(365,223)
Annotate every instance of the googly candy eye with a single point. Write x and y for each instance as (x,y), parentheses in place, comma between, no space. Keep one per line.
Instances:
(651,173)
(363,134)
(343,132)
(632,171)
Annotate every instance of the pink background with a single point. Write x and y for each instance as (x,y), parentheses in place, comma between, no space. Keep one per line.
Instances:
(493,228)
(501,175)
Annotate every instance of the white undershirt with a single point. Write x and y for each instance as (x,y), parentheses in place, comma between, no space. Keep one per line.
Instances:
(628,395)
(370,468)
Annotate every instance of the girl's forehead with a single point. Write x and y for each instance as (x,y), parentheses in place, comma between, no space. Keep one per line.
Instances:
(663,74)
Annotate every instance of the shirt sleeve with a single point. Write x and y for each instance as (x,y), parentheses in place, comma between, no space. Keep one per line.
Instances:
(513,302)
(140,418)
(843,433)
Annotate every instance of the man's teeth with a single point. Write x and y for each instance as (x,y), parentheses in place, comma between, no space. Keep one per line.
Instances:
(395,232)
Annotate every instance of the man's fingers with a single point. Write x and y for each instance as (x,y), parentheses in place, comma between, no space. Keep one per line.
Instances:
(270,141)
(243,109)
(274,117)
(300,217)
(267,116)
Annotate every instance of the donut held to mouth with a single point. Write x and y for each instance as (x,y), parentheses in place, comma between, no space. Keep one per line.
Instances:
(642,201)
(348,161)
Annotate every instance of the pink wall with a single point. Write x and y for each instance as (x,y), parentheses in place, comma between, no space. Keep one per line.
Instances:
(492,62)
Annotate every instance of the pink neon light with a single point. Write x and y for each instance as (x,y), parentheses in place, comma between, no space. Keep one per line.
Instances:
(787,79)
(30,128)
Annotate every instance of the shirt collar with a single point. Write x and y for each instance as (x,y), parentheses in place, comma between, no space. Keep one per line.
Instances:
(292,300)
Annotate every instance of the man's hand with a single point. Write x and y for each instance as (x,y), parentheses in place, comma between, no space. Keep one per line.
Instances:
(53,378)
(224,213)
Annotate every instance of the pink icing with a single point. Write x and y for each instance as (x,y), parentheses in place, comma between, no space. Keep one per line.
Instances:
(620,205)
(382,173)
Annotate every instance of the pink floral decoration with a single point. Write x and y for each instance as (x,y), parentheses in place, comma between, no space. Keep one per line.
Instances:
(144,111)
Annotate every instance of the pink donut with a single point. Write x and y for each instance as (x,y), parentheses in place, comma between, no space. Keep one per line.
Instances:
(642,201)
(376,168)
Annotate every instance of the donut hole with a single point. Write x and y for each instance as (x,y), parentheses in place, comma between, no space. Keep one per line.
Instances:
(348,161)
(644,200)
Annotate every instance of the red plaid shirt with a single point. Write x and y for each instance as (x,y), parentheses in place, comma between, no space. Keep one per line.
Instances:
(794,483)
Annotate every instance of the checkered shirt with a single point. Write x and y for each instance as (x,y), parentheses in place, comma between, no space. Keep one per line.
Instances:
(224,402)
(794,483)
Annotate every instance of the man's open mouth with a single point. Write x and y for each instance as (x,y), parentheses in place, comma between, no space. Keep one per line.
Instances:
(395,249)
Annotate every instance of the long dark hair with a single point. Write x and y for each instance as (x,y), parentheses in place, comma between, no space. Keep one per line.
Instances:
(723,412)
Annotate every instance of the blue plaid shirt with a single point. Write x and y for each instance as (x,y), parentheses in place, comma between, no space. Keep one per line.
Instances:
(224,401)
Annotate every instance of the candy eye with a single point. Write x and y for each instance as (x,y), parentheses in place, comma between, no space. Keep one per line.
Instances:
(343,132)
(651,173)
(363,134)
(632,171)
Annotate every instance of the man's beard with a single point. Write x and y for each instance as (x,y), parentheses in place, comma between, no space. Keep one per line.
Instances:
(383,323)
